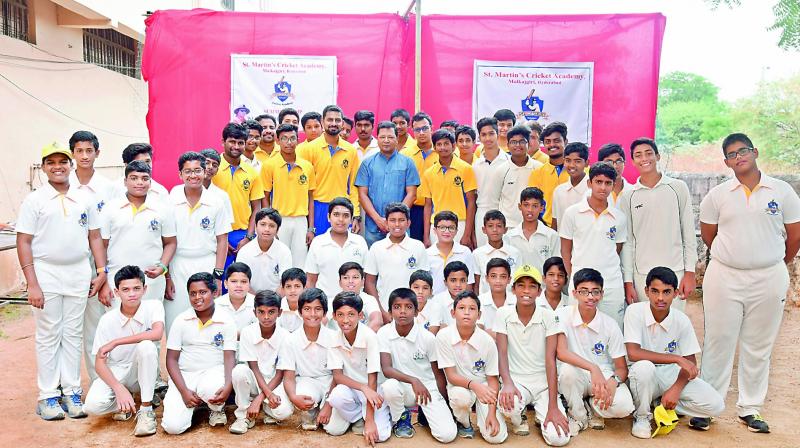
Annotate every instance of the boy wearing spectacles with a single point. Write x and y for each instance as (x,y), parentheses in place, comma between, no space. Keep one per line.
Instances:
(446,249)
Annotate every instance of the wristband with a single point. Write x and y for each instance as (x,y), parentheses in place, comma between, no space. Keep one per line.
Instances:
(104,270)
(26,266)
(251,237)
(617,379)
(357,218)
(162,266)
(469,384)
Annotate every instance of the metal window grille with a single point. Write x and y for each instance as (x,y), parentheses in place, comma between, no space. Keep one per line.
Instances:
(15,19)
(112,50)
(228,5)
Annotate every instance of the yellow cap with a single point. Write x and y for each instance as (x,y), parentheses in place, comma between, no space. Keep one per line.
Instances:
(666,420)
(54,148)
(527,270)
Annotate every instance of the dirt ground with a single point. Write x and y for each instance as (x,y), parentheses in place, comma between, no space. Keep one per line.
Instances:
(22,428)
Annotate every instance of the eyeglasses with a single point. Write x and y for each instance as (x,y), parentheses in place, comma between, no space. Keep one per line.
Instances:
(618,162)
(740,153)
(518,143)
(446,228)
(288,139)
(422,129)
(589,292)
(196,172)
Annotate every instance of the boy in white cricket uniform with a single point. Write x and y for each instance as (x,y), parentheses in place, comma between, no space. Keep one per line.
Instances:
(142,152)
(293,283)
(535,241)
(56,231)
(238,302)
(212,166)
(428,313)
(516,173)
(267,256)
(351,278)
(555,278)
(497,296)
(456,275)
(494,230)
(752,225)
(576,156)
(489,171)
(446,250)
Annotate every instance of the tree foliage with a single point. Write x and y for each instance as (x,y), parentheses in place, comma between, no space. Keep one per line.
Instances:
(787,20)
(689,111)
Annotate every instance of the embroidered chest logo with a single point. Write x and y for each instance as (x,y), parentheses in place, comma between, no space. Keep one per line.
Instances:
(218,340)
(612,233)
(83,221)
(411,263)
(277,269)
(672,347)
(557,319)
(345,163)
(511,261)
(205,223)
(772,208)
(458,181)
(544,252)
(478,366)
(357,252)
(418,355)
(100,206)
(598,348)
(303,179)
(154,225)
(426,325)
(246,185)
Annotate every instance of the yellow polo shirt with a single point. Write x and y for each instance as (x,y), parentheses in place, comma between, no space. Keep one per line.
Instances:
(447,188)
(411,142)
(243,186)
(289,185)
(546,178)
(262,156)
(335,173)
(540,156)
(422,164)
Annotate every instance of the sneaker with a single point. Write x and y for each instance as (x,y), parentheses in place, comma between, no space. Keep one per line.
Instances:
(156,401)
(121,416)
(403,429)
(358,427)
(241,425)
(268,420)
(596,421)
(308,420)
(576,426)
(145,423)
(161,386)
(73,405)
(700,423)
(522,429)
(49,409)
(217,418)
(641,428)
(465,432)
(755,423)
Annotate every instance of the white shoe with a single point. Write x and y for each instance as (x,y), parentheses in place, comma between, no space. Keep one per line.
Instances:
(268,420)
(145,423)
(575,427)
(73,406)
(522,429)
(217,418)
(308,419)
(49,409)
(121,416)
(241,425)
(641,428)
(595,421)
(358,427)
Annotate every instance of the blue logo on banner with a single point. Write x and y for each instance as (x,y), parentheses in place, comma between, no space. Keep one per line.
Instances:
(532,106)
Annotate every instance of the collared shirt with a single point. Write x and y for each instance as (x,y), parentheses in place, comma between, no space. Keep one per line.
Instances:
(372,148)
(335,169)
(599,341)
(325,256)
(515,179)
(674,335)
(369,306)
(262,156)
(750,224)
(430,315)
(114,325)
(479,149)
(356,360)
(386,181)
(541,157)
(547,178)
(289,184)
(526,342)
(422,161)
(289,319)
(486,252)
(267,266)
(255,162)
(119,190)
(99,188)
(444,301)
(489,308)
(394,264)
(411,354)
(306,358)
(201,344)
(223,198)
(411,142)
(244,315)
(567,195)
(447,187)
(543,244)
(594,239)
(243,186)
(439,260)
(614,198)
(197,227)
(474,359)
(489,179)
(541,301)
(253,347)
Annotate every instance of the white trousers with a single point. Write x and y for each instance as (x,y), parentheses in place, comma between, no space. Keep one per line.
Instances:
(649,381)
(400,396)
(575,383)
(459,234)
(316,388)
(177,417)
(91,317)
(293,234)
(742,308)
(535,394)
(613,303)
(640,282)
(481,237)
(139,376)
(59,334)
(461,401)
(246,388)
(180,269)
(351,405)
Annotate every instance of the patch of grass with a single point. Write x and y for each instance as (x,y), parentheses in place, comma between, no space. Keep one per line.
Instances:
(10,313)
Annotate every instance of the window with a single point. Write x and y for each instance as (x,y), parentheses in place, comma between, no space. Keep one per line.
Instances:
(15,19)
(112,50)
(228,5)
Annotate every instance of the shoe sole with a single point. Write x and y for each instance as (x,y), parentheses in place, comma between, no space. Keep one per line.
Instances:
(57,417)
(309,427)
(699,428)
(144,434)
(753,430)
(522,433)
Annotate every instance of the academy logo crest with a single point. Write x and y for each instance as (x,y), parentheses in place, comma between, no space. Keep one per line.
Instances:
(533,107)
(205,223)
(277,269)
(100,206)
(511,261)
(478,367)
(458,181)
(418,356)
(598,348)
(83,221)
(612,233)
(303,179)
(154,225)
(772,208)
(672,346)
(246,185)
(345,163)
(219,340)
(411,263)
(283,92)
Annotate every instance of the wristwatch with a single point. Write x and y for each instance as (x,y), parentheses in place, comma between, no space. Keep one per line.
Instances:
(218,273)
(104,270)
(251,237)
(617,379)
(357,218)
(312,229)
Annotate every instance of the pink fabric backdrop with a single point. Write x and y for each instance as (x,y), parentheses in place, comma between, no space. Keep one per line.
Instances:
(186,62)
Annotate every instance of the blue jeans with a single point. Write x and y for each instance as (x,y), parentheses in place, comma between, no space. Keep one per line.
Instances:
(372,237)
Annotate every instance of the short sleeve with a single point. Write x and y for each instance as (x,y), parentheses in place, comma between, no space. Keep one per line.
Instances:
(445,355)
(229,332)
(434,314)
(266,176)
(286,359)
(373,353)
(100,338)
(551,325)
(312,265)
(27,218)
(175,337)
(335,361)
(222,223)
(500,321)
(622,228)
(470,184)
(312,178)
(633,321)
(424,187)
(384,346)
(615,346)
(688,343)
(709,212)
(257,189)
(492,367)
(95,220)
(566,228)
(412,176)
(363,175)
(285,261)
(247,351)
(791,206)
(168,228)
(371,263)
(370,305)
(105,225)
(424,261)
(157,313)
(469,260)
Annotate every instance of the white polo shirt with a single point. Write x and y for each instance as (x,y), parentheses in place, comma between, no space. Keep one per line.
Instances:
(307,359)
(489,177)
(411,354)
(594,239)
(526,343)
(202,345)
(114,325)
(135,237)
(541,300)
(253,347)
(599,341)
(474,359)
(197,228)
(489,309)
(99,188)
(60,227)
(369,306)
(224,199)
(674,335)
(438,261)
(444,301)
(394,264)
(430,316)
(325,257)
(543,244)
(119,190)
(244,316)
(358,360)
(515,179)
(751,232)
(566,195)
(486,252)
(267,266)
(290,320)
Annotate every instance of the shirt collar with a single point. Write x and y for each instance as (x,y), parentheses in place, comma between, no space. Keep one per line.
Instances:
(577,320)
(216,318)
(92,185)
(327,239)
(138,316)
(651,322)
(585,208)
(225,301)
(53,193)
(403,243)
(179,193)
(535,319)
(359,342)
(455,337)
(764,182)
(412,335)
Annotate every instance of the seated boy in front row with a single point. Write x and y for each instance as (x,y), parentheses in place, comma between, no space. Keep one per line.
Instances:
(201,353)
(429,314)
(593,357)
(408,361)
(126,354)
(256,382)
(662,346)
(355,362)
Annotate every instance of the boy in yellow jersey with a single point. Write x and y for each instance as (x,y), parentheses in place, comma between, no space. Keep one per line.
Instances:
(289,183)
(550,175)
(267,146)
(254,131)
(335,164)
(449,185)
(402,119)
(424,156)
(243,185)
(312,128)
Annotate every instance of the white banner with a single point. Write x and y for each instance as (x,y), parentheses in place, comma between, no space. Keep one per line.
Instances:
(540,91)
(268,83)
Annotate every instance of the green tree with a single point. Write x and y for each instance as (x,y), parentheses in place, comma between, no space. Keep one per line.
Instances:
(677,87)
(787,20)
(689,112)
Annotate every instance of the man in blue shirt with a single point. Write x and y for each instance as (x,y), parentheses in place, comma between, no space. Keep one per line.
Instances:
(384,178)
